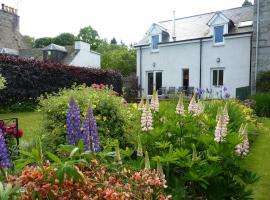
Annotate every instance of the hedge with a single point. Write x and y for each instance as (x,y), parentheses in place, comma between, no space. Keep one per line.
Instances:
(27,79)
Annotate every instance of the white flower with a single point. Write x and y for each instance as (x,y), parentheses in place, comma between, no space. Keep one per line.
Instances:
(146,118)
(139,149)
(242,149)
(180,109)
(196,108)
(155,102)
(141,104)
(221,128)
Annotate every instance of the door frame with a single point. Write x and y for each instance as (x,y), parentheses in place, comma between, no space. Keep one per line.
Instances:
(154,79)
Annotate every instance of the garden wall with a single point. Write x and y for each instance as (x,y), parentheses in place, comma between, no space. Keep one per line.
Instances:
(27,78)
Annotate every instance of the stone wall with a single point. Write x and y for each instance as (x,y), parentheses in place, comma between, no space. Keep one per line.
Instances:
(10,36)
(264,40)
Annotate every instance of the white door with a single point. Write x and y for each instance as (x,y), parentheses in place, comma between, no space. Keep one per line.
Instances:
(217,81)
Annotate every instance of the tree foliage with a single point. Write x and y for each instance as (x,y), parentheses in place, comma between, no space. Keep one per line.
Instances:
(89,35)
(30,41)
(64,39)
(43,42)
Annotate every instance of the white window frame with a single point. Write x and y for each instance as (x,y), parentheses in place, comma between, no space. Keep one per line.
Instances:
(155,50)
(212,77)
(214,36)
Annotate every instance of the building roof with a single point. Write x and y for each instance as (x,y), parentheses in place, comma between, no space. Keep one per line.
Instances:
(13,52)
(196,26)
(54,47)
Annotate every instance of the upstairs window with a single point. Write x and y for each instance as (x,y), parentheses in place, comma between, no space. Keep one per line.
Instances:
(155,41)
(218,76)
(218,34)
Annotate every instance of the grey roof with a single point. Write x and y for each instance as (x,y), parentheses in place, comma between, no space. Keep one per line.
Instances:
(35,53)
(54,47)
(8,51)
(196,26)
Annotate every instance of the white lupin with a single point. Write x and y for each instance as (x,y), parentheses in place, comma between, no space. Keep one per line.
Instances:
(146,118)
(141,104)
(242,149)
(221,127)
(180,109)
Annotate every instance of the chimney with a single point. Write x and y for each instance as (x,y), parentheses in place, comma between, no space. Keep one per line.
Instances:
(173,36)
(3,6)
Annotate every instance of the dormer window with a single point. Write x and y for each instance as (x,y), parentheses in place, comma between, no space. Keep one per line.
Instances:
(155,41)
(218,34)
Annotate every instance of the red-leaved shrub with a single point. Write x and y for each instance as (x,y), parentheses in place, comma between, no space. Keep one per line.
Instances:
(27,79)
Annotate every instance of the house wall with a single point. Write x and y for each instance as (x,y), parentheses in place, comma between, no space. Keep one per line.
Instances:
(234,59)
(86,59)
(263,60)
(172,58)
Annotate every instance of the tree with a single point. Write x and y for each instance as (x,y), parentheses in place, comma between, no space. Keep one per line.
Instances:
(90,35)
(43,42)
(121,59)
(30,41)
(247,3)
(64,39)
(113,41)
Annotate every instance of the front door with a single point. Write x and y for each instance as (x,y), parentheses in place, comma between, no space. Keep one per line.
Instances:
(217,78)
(154,82)
(185,79)
(150,83)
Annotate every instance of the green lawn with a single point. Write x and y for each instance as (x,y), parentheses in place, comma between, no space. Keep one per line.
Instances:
(259,161)
(29,122)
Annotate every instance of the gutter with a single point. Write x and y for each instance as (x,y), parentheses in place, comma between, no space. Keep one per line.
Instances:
(140,71)
(257,41)
(250,62)
(200,83)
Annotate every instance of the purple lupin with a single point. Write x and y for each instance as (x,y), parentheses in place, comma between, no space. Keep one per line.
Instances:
(3,152)
(73,122)
(90,132)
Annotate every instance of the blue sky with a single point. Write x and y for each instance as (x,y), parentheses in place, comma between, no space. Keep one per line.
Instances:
(127,20)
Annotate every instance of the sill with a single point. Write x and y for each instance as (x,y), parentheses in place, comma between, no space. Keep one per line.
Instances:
(154,50)
(219,44)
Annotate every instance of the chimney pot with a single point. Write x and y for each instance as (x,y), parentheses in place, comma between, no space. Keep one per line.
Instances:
(3,6)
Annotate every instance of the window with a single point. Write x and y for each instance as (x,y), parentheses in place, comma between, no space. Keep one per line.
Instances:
(155,41)
(218,37)
(218,76)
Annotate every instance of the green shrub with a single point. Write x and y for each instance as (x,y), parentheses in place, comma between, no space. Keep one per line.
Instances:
(263,82)
(195,166)
(262,106)
(2,82)
(111,113)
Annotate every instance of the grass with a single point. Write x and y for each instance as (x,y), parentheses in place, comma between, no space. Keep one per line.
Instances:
(259,161)
(29,122)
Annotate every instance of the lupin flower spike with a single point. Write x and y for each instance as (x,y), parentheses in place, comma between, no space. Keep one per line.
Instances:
(141,104)
(160,170)
(147,161)
(90,132)
(73,122)
(117,157)
(221,129)
(155,102)
(180,109)
(242,149)
(146,118)
(139,149)
(194,153)
(3,152)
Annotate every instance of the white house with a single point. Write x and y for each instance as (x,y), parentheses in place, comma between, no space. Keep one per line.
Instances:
(80,55)
(209,51)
